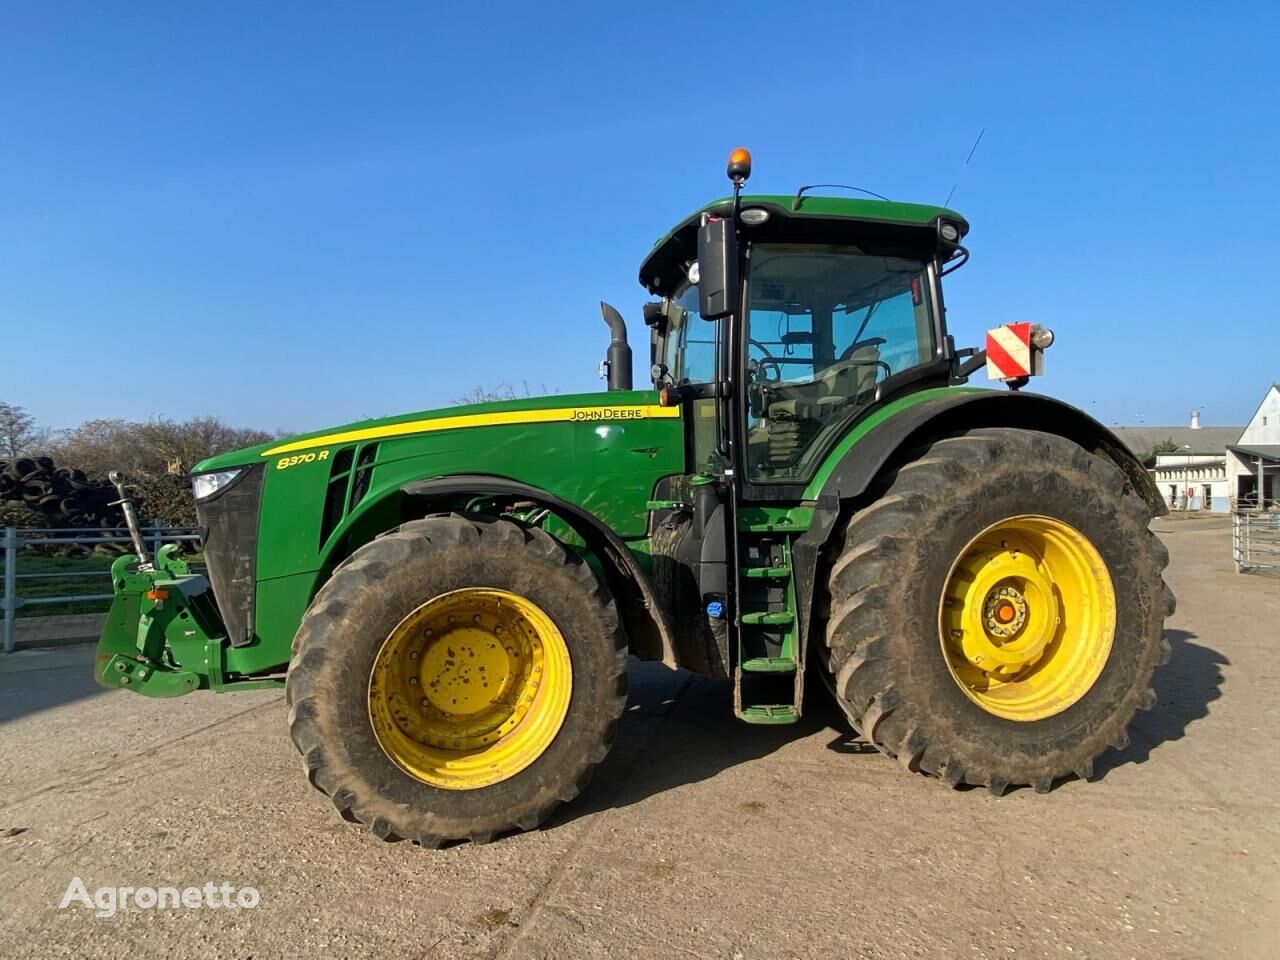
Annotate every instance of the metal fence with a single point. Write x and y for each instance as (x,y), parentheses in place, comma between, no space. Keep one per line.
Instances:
(1255,540)
(17,539)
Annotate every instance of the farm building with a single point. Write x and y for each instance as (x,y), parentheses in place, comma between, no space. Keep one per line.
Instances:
(1188,464)
(1253,461)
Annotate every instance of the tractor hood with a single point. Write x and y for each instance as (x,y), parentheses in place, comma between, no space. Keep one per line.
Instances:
(306,495)
(604,407)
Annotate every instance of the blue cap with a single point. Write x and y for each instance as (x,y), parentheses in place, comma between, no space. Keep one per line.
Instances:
(715,610)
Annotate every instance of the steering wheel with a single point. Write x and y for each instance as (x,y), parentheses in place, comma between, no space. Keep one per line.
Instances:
(768,360)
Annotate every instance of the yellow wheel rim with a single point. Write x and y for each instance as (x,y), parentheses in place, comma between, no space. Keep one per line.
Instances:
(1027,617)
(470,688)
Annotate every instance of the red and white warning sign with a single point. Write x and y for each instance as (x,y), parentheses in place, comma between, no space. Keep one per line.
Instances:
(1010,353)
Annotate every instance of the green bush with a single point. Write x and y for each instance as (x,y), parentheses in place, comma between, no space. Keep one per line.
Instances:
(163,497)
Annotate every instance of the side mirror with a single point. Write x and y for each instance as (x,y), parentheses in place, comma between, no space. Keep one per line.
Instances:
(717,269)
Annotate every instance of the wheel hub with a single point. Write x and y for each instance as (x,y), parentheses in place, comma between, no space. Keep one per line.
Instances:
(470,688)
(1004,612)
(1027,617)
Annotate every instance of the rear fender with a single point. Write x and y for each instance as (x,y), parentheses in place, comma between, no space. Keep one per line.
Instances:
(846,486)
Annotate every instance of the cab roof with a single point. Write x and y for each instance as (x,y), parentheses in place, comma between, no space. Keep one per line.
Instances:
(890,227)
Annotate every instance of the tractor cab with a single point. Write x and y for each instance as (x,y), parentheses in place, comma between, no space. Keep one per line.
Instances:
(788,327)
(783,319)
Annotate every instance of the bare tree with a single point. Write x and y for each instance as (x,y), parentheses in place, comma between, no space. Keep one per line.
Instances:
(503,391)
(18,431)
(156,447)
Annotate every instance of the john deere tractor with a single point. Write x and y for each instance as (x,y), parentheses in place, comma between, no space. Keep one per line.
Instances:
(449,598)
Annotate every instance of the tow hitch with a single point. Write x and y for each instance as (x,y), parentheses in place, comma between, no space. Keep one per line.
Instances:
(164,636)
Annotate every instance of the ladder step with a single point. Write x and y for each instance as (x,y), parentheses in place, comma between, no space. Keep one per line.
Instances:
(780,618)
(770,713)
(769,573)
(769,665)
(783,527)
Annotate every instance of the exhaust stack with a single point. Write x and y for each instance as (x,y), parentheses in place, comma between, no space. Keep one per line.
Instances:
(618,361)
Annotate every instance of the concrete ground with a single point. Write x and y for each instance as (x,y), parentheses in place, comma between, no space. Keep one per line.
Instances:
(699,837)
(58,630)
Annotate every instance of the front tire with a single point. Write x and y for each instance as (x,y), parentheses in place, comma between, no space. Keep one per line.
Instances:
(996,613)
(456,678)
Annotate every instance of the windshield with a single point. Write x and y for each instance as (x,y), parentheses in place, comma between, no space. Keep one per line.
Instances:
(825,325)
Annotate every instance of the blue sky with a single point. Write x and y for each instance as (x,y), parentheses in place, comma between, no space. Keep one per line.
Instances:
(295,215)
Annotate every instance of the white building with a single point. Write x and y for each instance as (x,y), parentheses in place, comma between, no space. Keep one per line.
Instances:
(1253,461)
(1191,470)
(1193,480)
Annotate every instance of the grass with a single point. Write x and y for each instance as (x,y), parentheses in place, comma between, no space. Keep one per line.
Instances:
(65,586)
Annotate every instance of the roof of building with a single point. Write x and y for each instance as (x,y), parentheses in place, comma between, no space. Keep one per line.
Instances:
(1188,465)
(1188,440)
(1267,451)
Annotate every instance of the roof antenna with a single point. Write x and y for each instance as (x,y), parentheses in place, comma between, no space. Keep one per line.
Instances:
(964,166)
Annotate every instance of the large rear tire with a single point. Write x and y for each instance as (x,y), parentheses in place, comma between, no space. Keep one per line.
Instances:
(997,611)
(456,678)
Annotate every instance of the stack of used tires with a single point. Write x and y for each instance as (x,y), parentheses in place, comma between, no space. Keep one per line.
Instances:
(63,497)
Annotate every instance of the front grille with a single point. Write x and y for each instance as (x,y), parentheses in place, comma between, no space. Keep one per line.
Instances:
(229,524)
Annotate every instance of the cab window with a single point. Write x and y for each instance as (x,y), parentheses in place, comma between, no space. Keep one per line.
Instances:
(689,354)
(825,326)
(689,350)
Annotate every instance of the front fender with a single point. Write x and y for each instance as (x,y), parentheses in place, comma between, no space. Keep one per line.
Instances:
(642,616)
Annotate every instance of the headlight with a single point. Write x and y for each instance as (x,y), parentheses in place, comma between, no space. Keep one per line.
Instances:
(205,485)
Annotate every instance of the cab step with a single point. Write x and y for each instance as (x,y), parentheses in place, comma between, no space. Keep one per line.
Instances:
(770,713)
(777,618)
(766,573)
(768,678)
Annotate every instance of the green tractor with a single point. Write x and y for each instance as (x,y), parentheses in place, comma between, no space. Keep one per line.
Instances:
(449,598)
